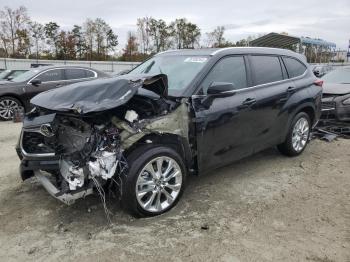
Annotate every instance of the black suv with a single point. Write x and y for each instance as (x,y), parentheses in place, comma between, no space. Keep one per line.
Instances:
(20,89)
(180,112)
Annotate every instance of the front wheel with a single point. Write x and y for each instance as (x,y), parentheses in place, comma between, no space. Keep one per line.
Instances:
(298,136)
(8,105)
(155,181)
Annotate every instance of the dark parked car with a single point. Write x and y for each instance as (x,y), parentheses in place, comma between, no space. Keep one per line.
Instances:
(336,95)
(179,113)
(10,74)
(19,90)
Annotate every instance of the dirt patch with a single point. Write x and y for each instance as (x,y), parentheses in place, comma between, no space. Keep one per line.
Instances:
(264,208)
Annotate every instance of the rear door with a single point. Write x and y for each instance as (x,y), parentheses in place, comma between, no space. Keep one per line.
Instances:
(224,127)
(273,90)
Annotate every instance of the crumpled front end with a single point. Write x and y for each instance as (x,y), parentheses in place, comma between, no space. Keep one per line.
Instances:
(73,153)
(70,156)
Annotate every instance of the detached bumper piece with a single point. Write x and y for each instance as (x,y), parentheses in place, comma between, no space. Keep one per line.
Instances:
(330,129)
(67,198)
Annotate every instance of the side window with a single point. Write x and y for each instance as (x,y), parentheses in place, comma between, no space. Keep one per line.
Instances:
(89,73)
(75,73)
(229,69)
(52,75)
(266,69)
(294,67)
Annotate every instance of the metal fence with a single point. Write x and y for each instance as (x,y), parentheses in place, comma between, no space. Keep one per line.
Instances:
(107,66)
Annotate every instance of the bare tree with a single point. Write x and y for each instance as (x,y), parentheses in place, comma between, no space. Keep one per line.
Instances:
(13,22)
(143,29)
(37,34)
(216,37)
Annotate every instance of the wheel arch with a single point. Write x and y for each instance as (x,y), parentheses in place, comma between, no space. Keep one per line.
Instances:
(308,108)
(176,142)
(14,96)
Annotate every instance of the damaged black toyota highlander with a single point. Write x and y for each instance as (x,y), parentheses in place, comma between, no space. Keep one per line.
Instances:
(179,113)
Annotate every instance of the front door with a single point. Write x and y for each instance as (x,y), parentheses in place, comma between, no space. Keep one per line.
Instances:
(223,127)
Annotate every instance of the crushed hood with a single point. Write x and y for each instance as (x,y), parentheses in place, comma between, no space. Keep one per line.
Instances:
(336,89)
(101,94)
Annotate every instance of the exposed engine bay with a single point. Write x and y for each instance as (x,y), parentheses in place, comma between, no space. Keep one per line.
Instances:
(88,149)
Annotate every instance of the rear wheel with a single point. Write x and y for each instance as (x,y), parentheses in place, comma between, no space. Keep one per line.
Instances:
(8,105)
(155,181)
(298,136)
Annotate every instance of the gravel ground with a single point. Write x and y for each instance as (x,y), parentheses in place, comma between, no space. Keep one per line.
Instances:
(264,208)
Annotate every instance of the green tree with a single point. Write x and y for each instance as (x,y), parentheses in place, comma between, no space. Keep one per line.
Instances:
(38,34)
(185,34)
(80,45)
(52,35)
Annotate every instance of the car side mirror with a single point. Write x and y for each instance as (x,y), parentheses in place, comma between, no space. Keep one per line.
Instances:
(218,90)
(9,78)
(36,82)
(221,88)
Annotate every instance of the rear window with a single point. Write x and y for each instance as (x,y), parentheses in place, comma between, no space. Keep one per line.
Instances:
(266,69)
(294,67)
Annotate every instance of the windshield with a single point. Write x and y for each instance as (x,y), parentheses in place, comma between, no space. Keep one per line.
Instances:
(339,76)
(26,76)
(3,74)
(181,70)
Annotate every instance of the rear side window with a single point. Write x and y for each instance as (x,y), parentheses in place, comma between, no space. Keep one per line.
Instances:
(75,73)
(294,67)
(51,75)
(266,69)
(230,70)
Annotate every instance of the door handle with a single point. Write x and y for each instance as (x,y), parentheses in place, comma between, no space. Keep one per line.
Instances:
(291,89)
(58,85)
(249,102)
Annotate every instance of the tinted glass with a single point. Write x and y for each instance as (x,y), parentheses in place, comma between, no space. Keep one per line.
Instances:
(51,75)
(267,69)
(230,70)
(75,73)
(294,67)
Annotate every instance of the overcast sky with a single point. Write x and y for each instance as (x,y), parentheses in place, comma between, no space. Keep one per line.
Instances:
(329,20)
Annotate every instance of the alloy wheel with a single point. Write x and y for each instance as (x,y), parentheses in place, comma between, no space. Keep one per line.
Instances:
(158,184)
(7,108)
(300,134)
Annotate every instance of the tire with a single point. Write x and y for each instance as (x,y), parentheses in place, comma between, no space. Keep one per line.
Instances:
(298,137)
(7,105)
(142,192)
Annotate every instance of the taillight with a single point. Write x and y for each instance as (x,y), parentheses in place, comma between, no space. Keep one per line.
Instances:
(318,82)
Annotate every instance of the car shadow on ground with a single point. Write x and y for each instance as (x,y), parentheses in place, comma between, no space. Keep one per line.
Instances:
(45,210)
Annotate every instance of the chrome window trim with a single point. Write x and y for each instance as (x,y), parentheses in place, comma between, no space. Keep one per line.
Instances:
(262,85)
(58,68)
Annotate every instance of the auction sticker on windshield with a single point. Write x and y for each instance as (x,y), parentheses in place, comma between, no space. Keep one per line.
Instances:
(196,59)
